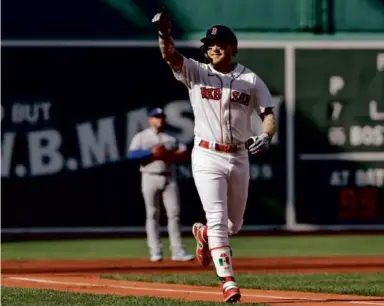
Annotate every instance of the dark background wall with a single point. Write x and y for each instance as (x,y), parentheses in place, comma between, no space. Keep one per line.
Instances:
(69,113)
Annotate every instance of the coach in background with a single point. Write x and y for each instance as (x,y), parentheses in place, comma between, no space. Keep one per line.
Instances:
(157,151)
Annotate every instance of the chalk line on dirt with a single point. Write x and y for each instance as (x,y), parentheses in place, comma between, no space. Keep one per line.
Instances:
(75,283)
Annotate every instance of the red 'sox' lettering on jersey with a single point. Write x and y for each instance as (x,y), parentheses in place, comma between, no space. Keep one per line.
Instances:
(240,97)
(210,93)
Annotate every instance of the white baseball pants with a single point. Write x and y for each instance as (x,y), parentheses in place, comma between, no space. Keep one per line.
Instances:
(222,181)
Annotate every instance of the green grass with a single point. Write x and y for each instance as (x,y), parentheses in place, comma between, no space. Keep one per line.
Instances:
(368,284)
(242,246)
(35,297)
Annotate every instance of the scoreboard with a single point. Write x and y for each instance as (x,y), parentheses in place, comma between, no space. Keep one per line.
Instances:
(339,136)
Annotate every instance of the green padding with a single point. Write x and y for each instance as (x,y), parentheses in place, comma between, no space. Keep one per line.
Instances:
(242,14)
(359,15)
(260,15)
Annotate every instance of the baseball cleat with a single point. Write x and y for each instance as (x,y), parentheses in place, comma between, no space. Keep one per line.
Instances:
(202,249)
(182,256)
(156,257)
(231,291)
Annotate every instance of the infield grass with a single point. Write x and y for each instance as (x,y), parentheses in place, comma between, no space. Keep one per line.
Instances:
(367,284)
(37,297)
(285,246)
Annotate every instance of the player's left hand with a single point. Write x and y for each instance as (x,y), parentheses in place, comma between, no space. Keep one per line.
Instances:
(259,144)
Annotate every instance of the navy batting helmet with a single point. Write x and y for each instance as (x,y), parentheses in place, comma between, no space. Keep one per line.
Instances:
(220,33)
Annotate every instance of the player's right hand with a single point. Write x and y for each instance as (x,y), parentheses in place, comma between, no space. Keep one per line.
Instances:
(162,22)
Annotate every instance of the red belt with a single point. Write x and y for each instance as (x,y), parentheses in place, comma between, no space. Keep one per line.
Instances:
(220,147)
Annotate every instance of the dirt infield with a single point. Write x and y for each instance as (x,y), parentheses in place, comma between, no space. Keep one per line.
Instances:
(83,276)
(294,265)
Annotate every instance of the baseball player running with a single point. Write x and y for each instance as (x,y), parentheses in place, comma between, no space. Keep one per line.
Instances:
(223,94)
(157,151)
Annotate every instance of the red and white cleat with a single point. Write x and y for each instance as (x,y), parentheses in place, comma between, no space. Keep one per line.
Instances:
(231,291)
(203,254)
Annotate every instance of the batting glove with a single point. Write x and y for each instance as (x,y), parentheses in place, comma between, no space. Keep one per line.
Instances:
(163,23)
(259,144)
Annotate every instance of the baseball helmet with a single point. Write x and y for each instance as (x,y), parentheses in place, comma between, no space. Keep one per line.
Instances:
(219,33)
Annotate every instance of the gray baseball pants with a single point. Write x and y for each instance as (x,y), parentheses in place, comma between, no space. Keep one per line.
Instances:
(154,188)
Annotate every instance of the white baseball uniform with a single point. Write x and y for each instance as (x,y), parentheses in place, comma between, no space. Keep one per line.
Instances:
(222,106)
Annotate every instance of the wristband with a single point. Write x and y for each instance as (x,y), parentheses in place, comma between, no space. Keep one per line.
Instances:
(267,134)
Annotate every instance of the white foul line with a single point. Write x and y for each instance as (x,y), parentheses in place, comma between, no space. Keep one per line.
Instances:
(351,156)
(80,284)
